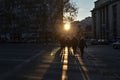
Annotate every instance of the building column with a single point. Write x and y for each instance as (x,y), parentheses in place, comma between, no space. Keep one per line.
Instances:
(107,23)
(100,17)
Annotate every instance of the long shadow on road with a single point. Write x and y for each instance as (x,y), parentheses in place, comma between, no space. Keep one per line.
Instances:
(33,70)
(54,72)
(50,67)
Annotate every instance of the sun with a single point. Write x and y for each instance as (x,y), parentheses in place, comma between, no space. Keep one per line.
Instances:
(67,26)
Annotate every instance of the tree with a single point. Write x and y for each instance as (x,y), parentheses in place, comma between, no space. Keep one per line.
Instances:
(69,11)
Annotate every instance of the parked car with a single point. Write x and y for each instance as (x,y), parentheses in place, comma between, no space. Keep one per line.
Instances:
(116,44)
(103,41)
(32,41)
(93,41)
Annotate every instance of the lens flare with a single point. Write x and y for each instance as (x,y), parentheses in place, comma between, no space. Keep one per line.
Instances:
(67,26)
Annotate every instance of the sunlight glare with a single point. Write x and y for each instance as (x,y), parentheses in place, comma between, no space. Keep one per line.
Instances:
(65,64)
(67,26)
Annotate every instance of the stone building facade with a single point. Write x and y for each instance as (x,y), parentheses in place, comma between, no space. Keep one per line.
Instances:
(106,17)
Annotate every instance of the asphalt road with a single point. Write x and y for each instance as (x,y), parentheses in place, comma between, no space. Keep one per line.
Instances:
(103,62)
(36,62)
(13,57)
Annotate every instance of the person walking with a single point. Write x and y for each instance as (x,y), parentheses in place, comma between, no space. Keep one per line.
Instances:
(74,44)
(68,43)
(62,43)
(82,44)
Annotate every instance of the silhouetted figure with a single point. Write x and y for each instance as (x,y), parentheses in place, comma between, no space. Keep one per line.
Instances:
(62,43)
(74,43)
(68,42)
(82,44)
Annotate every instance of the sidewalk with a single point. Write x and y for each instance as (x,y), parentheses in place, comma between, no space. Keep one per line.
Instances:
(96,62)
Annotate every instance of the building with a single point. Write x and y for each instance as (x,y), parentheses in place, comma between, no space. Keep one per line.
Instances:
(106,17)
(28,20)
(82,28)
(87,26)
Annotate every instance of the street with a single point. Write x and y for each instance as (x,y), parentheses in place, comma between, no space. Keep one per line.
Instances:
(103,62)
(48,62)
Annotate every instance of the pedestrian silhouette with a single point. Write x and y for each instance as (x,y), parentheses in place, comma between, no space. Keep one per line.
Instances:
(74,43)
(68,43)
(62,42)
(82,45)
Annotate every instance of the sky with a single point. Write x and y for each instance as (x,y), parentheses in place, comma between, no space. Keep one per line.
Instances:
(84,8)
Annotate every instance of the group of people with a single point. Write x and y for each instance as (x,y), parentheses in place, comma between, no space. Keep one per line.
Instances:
(74,43)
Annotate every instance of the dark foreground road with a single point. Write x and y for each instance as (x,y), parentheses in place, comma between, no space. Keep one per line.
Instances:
(36,62)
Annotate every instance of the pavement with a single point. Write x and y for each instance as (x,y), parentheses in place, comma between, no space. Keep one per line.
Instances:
(14,56)
(102,62)
(49,62)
